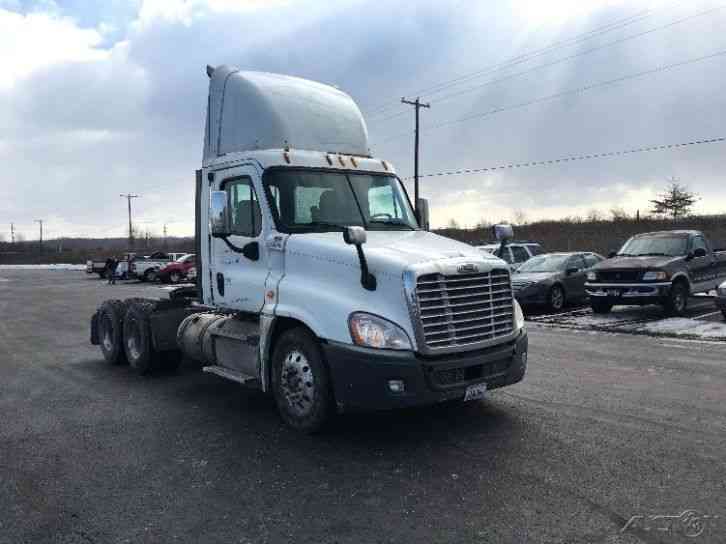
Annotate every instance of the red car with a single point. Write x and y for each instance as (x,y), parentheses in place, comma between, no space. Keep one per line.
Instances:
(176,271)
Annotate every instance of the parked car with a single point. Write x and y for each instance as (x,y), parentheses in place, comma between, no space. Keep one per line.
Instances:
(178,270)
(553,279)
(147,268)
(662,267)
(721,298)
(96,267)
(515,253)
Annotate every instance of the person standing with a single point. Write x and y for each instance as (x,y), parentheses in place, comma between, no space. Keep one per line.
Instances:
(113,264)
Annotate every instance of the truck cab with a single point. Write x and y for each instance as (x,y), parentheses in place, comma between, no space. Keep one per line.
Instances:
(316,280)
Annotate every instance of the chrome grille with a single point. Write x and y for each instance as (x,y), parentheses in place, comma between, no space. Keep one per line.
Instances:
(464,309)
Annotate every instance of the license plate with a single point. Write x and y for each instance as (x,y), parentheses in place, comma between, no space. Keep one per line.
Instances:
(476,391)
(614,292)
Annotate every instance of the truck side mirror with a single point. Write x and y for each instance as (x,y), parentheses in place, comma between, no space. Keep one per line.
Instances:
(503,232)
(699,252)
(423,213)
(612,254)
(356,236)
(572,270)
(218,214)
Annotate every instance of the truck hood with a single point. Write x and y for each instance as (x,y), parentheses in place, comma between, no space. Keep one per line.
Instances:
(635,263)
(389,251)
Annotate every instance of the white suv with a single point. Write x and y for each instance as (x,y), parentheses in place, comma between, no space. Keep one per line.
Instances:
(515,253)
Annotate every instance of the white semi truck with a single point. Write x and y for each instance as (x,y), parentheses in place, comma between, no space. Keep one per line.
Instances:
(315,280)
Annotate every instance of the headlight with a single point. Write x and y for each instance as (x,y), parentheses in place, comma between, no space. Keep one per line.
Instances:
(655,275)
(592,276)
(375,332)
(518,316)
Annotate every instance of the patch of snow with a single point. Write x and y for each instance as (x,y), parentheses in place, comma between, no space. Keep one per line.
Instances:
(682,326)
(42,266)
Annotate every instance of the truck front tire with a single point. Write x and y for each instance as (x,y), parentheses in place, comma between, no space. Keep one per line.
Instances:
(111,331)
(677,301)
(300,381)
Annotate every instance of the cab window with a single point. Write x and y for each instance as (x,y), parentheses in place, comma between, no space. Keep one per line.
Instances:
(245,216)
(520,254)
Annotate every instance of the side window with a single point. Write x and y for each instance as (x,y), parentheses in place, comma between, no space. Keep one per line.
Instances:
(576,262)
(534,249)
(245,216)
(591,260)
(520,254)
(698,241)
(507,257)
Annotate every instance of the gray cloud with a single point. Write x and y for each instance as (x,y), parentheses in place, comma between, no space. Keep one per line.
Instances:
(78,133)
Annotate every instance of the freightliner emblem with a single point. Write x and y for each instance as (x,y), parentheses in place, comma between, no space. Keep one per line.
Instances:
(468,268)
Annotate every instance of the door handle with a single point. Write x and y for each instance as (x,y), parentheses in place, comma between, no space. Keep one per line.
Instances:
(220,284)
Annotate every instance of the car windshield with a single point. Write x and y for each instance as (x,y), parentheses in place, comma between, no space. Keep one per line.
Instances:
(544,263)
(305,201)
(183,258)
(669,246)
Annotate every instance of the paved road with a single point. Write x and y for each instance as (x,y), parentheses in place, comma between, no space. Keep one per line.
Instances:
(604,427)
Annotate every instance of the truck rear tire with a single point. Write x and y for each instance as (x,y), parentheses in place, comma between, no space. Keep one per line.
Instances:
(600,307)
(111,331)
(677,301)
(138,343)
(300,381)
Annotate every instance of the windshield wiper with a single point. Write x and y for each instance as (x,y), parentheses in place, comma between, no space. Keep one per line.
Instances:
(396,222)
(625,255)
(653,255)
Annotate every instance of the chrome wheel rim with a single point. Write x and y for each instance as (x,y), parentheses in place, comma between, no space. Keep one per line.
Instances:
(174,277)
(297,383)
(151,276)
(557,298)
(679,300)
(107,333)
(132,342)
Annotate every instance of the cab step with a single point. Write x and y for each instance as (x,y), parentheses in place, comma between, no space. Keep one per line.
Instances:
(234,375)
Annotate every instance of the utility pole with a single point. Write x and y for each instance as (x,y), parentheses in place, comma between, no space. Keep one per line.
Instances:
(40,222)
(12,233)
(165,242)
(128,198)
(417,104)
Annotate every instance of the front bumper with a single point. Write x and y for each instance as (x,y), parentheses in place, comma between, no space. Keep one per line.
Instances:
(629,293)
(360,375)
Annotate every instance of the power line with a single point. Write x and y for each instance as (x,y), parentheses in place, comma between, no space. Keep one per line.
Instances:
(524,57)
(577,90)
(573,158)
(561,60)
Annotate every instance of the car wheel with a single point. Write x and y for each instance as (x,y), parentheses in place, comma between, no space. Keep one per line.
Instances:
(600,307)
(174,277)
(677,301)
(150,275)
(556,298)
(300,381)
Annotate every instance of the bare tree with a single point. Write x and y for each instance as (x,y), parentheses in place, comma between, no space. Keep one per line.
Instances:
(676,201)
(618,213)
(594,215)
(520,217)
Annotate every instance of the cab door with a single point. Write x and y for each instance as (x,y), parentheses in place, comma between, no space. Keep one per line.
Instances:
(575,280)
(239,262)
(702,269)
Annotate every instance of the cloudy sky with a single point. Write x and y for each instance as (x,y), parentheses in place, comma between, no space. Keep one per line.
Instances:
(99,98)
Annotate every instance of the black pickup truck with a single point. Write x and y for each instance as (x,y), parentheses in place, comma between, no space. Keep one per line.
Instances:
(657,268)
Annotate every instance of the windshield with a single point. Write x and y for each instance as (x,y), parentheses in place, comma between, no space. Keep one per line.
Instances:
(669,246)
(544,263)
(305,201)
(184,258)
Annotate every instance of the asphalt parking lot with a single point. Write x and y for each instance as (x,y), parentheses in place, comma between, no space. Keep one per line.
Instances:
(607,434)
